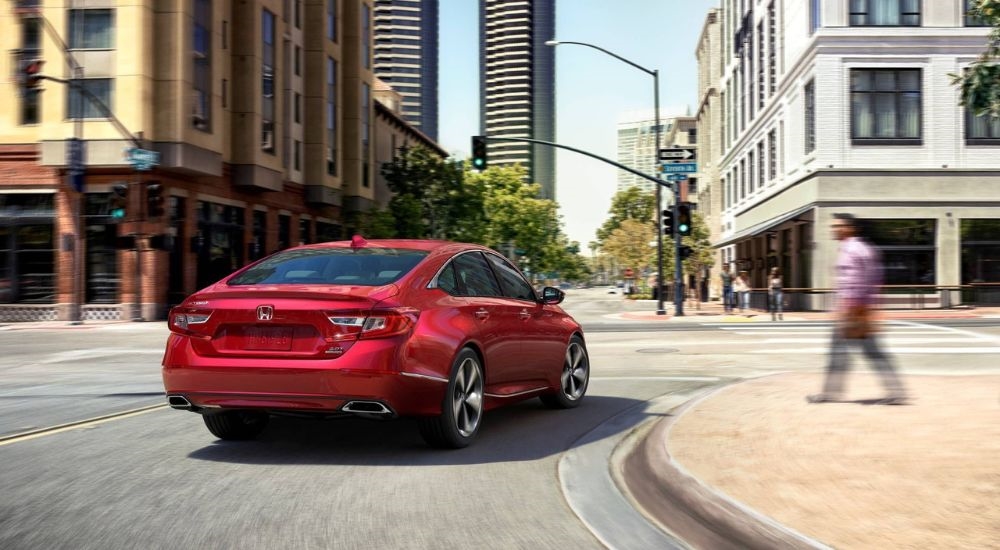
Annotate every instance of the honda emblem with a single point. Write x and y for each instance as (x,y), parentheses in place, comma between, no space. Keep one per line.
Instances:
(265,313)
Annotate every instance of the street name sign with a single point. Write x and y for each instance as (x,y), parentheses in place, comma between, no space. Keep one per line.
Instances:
(678,154)
(680,168)
(142,159)
(676,177)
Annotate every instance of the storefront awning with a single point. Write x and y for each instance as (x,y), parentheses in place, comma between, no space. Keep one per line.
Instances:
(763,226)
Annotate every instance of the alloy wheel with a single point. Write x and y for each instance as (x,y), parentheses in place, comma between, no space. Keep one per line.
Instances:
(467,400)
(576,372)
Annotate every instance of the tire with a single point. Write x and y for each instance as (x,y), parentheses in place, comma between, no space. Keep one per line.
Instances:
(573,380)
(461,408)
(236,425)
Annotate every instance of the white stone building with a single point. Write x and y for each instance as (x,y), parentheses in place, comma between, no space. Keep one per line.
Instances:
(847,106)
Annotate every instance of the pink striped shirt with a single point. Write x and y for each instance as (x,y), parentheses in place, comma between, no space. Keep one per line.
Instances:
(859,273)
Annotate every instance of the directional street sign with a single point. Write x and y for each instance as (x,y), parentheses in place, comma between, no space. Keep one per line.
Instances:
(142,159)
(679,154)
(676,177)
(680,168)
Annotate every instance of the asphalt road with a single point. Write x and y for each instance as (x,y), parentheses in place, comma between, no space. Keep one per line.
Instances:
(158,479)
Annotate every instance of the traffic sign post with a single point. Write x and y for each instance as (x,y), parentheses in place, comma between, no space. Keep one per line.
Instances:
(142,159)
(678,154)
(679,168)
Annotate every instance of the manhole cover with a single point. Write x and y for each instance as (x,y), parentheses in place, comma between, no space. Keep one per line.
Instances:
(658,350)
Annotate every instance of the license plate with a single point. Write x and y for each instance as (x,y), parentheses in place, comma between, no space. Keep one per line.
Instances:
(268,338)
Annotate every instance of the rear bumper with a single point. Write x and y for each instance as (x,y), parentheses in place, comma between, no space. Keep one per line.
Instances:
(366,373)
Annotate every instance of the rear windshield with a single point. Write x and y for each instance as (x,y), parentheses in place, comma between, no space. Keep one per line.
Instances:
(332,266)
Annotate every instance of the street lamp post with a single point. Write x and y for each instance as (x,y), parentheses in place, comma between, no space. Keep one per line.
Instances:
(678,303)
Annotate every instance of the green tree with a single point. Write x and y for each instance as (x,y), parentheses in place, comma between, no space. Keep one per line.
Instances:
(629,204)
(629,245)
(431,198)
(980,83)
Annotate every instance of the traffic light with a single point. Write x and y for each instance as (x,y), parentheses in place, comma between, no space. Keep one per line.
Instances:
(154,200)
(668,222)
(31,74)
(684,219)
(686,251)
(479,153)
(117,202)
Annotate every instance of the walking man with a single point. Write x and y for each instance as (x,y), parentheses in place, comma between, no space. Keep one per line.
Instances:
(858,277)
(727,288)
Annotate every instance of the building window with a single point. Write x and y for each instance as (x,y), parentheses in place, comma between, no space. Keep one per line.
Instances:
(297,156)
(297,107)
(815,20)
(298,14)
(201,108)
(809,98)
(751,173)
(82,105)
(91,29)
(305,231)
(31,50)
(331,19)
(761,164)
(908,250)
(772,155)
(981,130)
(692,136)
(973,21)
(366,36)
(761,68)
(885,13)
(267,83)
(284,231)
(885,106)
(772,53)
(331,116)
(743,178)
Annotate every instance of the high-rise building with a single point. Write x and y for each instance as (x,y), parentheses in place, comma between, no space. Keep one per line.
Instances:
(406,57)
(637,149)
(517,84)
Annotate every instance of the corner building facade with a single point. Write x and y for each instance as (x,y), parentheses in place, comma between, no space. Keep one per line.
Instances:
(262,116)
(847,106)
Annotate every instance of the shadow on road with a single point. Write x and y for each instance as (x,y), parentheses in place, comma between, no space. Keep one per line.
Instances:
(525,431)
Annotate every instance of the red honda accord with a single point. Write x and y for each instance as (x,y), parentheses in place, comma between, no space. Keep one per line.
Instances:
(437,330)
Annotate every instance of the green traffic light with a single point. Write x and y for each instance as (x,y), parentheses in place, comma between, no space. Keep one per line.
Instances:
(118,213)
(478,163)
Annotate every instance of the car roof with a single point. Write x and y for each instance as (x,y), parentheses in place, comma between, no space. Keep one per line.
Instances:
(429,245)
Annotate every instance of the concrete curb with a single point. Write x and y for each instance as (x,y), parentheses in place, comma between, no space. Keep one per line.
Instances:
(697,513)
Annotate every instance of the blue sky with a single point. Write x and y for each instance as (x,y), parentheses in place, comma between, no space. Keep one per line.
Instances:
(593,90)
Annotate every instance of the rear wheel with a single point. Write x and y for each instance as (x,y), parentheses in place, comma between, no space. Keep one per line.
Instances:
(462,408)
(574,378)
(236,425)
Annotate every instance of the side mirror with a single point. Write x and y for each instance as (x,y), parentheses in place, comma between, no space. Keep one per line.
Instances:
(552,295)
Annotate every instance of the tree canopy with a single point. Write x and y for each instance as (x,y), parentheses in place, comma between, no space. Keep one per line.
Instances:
(628,204)
(980,83)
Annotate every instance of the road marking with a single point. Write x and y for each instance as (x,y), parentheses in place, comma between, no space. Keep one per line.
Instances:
(52,430)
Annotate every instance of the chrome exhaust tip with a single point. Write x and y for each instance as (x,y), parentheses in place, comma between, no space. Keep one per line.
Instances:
(374,409)
(180,402)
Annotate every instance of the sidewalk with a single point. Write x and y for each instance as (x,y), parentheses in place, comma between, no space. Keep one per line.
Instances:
(762,468)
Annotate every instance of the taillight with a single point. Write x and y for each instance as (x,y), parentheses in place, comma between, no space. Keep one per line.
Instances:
(379,323)
(187,320)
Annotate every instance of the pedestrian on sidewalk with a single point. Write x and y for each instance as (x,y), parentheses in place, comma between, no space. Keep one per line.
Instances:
(775,295)
(727,288)
(741,286)
(858,278)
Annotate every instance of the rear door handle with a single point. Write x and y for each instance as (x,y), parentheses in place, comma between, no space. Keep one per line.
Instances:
(482,314)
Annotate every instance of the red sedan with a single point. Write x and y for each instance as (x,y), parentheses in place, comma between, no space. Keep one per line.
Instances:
(438,330)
